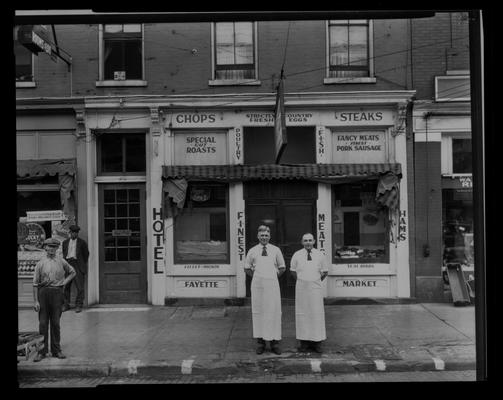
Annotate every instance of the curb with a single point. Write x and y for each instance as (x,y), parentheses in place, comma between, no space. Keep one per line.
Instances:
(242,367)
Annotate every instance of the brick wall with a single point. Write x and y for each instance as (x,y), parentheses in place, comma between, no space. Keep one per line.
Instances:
(439,44)
(172,67)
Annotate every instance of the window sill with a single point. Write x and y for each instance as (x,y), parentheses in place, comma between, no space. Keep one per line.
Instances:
(126,83)
(329,81)
(234,82)
(26,84)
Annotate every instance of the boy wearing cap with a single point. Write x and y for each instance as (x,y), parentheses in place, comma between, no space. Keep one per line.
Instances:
(51,275)
(75,251)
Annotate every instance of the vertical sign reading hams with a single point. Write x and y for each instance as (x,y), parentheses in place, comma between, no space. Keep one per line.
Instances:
(158,232)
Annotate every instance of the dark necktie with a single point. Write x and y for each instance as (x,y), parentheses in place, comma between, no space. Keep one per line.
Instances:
(309,255)
(264,251)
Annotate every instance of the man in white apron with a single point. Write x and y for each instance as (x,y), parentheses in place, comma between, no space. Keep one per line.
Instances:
(265,263)
(309,267)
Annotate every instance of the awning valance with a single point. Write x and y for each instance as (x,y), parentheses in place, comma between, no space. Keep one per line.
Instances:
(40,168)
(318,172)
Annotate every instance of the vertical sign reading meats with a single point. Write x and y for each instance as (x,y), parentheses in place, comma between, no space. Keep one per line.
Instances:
(241,236)
(158,231)
(321,232)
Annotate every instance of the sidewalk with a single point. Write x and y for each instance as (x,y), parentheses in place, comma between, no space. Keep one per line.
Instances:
(157,340)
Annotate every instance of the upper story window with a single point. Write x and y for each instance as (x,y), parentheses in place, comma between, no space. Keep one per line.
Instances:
(24,63)
(234,51)
(456,153)
(349,49)
(121,153)
(122,52)
(454,86)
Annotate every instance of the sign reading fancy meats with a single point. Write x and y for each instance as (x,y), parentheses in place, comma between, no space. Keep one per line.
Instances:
(359,147)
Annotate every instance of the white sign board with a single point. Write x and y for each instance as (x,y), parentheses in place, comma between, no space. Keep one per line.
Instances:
(359,286)
(200,148)
(202,287)
(359,147)
(53,215)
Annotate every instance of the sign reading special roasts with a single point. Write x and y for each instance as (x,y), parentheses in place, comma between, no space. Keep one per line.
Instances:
(359,147)
(200,148)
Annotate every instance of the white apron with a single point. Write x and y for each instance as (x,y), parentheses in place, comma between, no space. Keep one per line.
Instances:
(266,299)
(309,307)
(309,311)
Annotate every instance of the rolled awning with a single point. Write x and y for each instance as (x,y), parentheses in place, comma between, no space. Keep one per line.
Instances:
(46,167)
(330,173)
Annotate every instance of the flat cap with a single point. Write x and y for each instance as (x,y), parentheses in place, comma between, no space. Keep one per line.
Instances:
(51,242)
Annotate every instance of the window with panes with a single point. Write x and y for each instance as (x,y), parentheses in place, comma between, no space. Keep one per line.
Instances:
(24,63)
(234,50)
(348,48)
(121,153)
(122,57)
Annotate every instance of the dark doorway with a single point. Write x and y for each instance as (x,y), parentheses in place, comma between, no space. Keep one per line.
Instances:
(123,266)
(289,209)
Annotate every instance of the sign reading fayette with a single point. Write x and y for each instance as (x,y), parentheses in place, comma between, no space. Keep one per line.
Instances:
(359,147)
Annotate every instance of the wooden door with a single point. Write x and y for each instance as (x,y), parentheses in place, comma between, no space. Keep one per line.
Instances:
(122,244)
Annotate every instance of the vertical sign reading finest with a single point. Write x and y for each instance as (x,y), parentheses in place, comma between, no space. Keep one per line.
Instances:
(158,230)
(241,236)
(279,122)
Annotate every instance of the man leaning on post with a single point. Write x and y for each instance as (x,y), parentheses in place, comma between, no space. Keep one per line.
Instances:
(309,267)
(265,263)
(51,275)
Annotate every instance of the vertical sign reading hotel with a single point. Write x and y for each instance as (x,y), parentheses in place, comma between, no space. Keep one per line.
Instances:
(158,231)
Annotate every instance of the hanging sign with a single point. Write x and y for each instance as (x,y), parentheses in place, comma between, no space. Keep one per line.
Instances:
(55,215)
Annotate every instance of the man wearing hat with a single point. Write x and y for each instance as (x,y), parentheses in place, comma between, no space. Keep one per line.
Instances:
(75,251)
(51,275)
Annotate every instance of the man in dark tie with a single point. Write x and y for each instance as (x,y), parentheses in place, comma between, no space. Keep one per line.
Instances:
(76,252)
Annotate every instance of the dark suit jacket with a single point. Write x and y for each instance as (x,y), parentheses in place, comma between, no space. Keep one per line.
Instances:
(81,251)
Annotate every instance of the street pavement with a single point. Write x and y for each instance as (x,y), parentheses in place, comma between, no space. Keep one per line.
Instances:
(207,341)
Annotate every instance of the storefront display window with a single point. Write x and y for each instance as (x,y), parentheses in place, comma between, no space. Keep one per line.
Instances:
(457,224)
(359,224)
(201,229)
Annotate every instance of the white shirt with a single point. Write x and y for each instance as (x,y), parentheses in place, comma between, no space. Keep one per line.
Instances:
(309,270)
(265,266)
(72,246)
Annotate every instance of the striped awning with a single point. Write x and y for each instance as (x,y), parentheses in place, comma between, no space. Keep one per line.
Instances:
(40,168)
(322,172)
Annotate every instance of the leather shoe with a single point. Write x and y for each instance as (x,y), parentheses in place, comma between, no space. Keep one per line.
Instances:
(317,348)
(276,350)
(260,349)
(303,348)
(78,309)
(59,355)
(66,307)
(39,357)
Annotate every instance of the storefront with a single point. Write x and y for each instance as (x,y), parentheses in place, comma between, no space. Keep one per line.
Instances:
(342,177)
(445,218)
(178,224)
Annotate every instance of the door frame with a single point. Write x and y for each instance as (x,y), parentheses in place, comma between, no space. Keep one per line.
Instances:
(278,241)
(143,236)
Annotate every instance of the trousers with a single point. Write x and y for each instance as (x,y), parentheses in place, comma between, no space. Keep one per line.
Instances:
(79,285)
(51,302)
